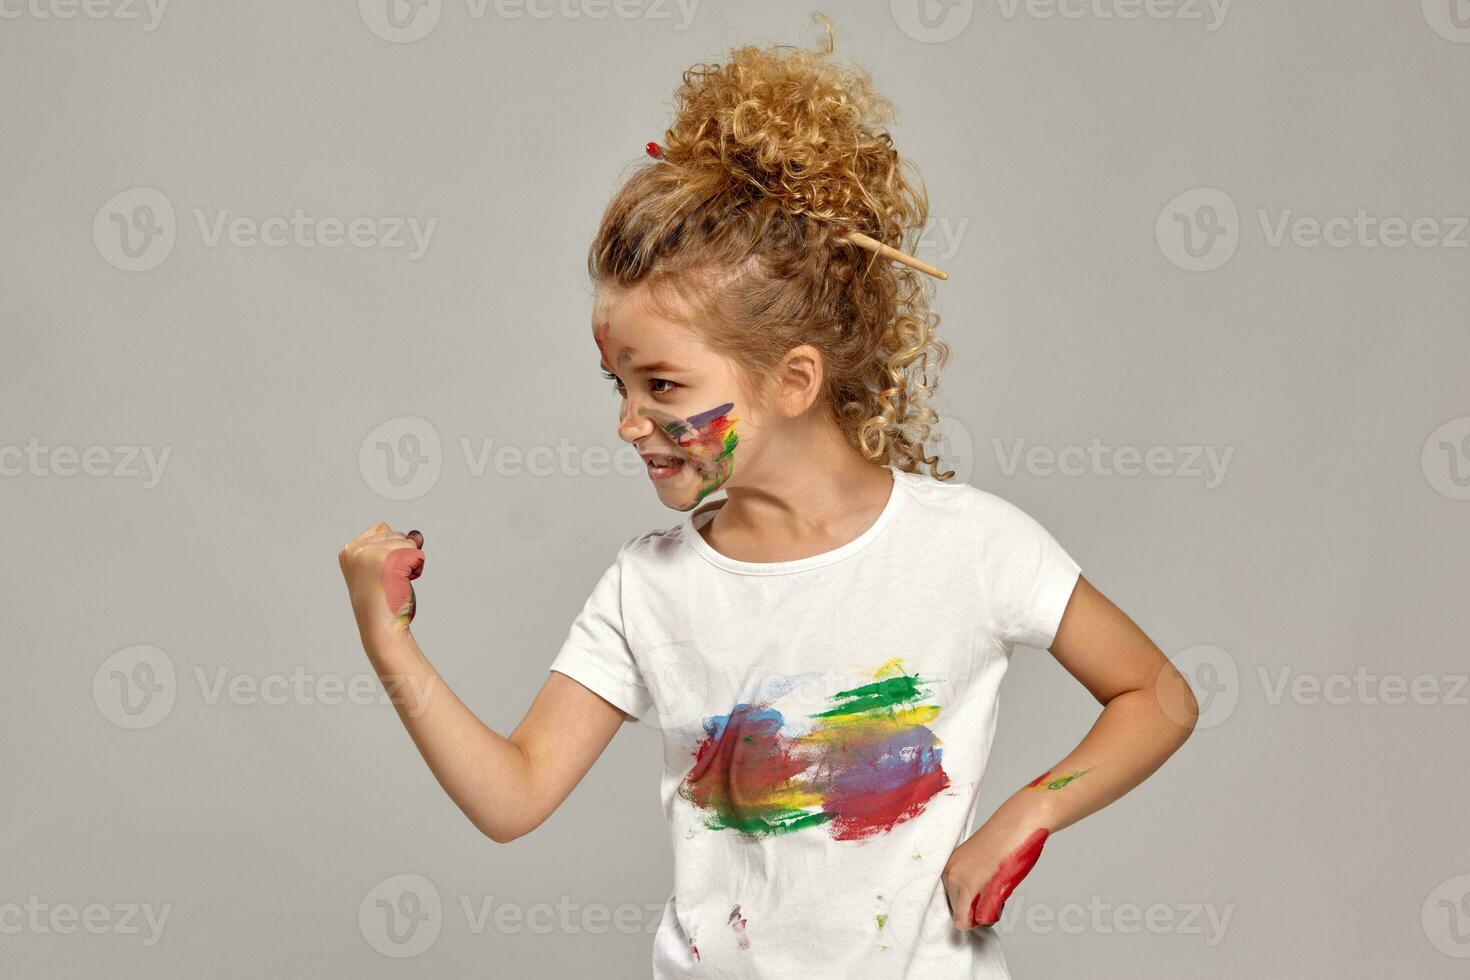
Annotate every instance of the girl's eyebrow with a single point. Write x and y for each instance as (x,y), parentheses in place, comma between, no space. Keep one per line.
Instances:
(663,366)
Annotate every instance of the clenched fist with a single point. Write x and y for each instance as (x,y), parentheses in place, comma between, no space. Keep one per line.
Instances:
(378,565)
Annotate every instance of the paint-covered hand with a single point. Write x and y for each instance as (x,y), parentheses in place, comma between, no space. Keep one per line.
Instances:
(379,565)
(984,870)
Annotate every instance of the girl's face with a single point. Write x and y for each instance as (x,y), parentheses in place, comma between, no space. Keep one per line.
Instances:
(682,404)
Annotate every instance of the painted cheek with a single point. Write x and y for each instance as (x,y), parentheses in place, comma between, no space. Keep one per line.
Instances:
(985,910)
(401,567)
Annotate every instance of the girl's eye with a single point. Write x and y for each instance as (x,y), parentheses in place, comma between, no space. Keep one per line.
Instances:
(654,383)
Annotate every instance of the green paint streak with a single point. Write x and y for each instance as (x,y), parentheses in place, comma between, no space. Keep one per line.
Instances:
(887,693)
(766,822)
(882,921)
(1059,783)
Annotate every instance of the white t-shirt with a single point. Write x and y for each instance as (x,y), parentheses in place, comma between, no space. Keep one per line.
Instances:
(826,722)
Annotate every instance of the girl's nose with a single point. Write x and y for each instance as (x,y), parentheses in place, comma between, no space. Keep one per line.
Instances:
(631,425)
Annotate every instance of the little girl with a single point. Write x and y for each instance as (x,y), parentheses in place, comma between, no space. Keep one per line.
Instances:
(822,645)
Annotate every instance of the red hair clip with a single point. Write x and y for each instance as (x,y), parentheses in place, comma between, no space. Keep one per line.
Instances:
(654,150)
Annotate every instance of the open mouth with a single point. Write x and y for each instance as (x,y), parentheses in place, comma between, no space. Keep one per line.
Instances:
(663,467)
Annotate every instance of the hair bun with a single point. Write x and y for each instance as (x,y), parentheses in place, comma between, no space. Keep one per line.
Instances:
(786,123)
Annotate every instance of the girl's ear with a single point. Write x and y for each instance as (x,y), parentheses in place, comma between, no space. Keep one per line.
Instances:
(798,380)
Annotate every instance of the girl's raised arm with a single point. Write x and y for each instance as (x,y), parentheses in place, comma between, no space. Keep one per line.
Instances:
(505,786)
(1148,712)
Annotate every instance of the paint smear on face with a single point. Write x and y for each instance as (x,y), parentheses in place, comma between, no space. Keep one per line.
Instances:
(1045,780)
(859,768)
(401,567)
(612,353)
(738,924)
(707,441)
(985,910)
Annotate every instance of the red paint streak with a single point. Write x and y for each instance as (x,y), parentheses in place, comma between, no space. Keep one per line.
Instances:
(985,910)
(737,922)
(402,566)
(1038,780)
(864,815)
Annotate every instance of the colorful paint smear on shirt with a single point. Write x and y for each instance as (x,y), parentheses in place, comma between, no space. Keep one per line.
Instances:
(859,768)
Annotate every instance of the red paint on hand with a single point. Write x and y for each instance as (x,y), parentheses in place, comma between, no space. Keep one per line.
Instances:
(985,910)
(402,566)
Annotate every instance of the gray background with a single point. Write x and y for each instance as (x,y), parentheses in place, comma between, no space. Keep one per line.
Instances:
(1332,832)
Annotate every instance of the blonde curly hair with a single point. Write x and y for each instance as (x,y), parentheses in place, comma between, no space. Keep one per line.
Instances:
(771,159)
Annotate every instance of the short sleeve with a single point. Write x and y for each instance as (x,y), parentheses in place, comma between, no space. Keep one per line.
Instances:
(596,653)
(1026,576)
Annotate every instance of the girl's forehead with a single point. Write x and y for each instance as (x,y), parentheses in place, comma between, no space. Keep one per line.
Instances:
(624,322)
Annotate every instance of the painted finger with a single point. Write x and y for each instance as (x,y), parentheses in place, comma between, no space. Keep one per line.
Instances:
(400,567)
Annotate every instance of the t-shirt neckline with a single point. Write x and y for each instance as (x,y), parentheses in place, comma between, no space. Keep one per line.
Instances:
(696,519)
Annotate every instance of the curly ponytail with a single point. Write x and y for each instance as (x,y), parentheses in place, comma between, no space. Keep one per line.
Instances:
(771,159)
